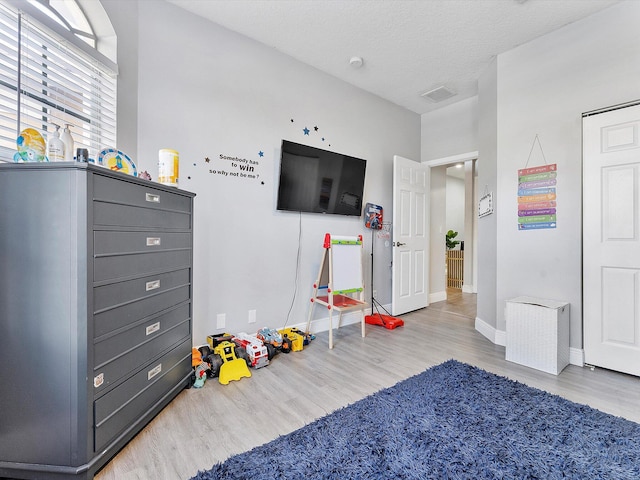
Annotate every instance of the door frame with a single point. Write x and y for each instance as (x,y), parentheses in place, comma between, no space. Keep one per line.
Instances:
(452,160)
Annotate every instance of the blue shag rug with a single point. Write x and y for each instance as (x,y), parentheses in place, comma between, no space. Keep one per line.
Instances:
(453,421)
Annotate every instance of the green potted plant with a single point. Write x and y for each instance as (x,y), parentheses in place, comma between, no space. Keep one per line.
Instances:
(451,243)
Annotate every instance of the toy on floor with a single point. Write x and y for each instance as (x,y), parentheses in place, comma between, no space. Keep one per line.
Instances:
(293,335)
(233,368)
(255,348)
(272,337)
(200,368)
(217,339)
(196,357)
(307,337)
(387,321)
(201,375)
(213,361)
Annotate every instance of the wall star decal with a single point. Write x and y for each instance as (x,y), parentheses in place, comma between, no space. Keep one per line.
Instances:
(306,131)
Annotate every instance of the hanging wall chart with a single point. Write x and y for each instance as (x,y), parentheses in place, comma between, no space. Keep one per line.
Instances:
(537,195)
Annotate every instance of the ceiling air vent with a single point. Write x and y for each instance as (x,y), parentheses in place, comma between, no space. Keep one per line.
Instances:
(438,94)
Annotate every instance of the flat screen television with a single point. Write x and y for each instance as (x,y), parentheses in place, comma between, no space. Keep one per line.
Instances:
(319,181)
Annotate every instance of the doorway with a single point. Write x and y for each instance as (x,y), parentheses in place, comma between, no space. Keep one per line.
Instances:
(454,227)
(453,207)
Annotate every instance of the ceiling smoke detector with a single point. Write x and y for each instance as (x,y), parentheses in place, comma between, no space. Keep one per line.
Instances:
(356,62)
(438,94)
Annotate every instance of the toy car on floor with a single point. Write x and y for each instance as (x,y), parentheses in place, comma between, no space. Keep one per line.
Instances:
(271,336)
(232,368)
(297,340)
(256,350)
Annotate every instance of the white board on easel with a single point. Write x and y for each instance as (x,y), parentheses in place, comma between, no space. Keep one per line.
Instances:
(347,265)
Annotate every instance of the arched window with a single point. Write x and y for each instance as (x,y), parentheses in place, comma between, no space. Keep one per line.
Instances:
(52,72)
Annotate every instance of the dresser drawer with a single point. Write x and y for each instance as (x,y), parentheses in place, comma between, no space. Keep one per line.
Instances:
(114,190)
(116,317)
(107,242)
(119,215)
(114,267)
(115,295)
(120,408)
(118,355)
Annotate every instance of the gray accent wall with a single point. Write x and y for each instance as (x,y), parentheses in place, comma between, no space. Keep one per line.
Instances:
(208,92)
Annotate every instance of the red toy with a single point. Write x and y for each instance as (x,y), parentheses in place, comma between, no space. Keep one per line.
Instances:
(387,321)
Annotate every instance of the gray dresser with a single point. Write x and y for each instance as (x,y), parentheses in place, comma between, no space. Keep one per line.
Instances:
(95,313)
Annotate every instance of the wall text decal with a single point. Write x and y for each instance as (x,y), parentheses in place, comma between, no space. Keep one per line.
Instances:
(234,166)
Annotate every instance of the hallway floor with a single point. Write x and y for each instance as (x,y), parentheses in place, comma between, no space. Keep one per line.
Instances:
(458,303)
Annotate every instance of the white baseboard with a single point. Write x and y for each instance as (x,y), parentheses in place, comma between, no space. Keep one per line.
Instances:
(468,289)
(437,297)
(499,337)
(576,356)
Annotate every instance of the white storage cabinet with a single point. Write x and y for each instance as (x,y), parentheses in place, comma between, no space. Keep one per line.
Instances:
(538,333)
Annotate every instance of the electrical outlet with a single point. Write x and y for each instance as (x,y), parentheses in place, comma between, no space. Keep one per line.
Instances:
(375,293)
(221,320)
(252,316)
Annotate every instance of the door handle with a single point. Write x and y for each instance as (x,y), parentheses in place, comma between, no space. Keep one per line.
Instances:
(398,244)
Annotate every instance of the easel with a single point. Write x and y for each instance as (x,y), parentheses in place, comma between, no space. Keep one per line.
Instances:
(341,275)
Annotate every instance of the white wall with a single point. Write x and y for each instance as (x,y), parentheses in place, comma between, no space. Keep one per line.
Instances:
(124,18)
(451,130)
(543,88)
(207,92)
(486,183)
(540,88)
(455,207)
(470,228)
(437,232)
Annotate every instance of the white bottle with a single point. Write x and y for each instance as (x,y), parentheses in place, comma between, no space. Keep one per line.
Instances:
(55,146)
(67,139)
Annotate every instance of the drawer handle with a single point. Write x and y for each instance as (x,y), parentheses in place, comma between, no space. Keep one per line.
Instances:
(154,371)
(152,328)
(152,197)
(153,241)
(153,285)
(98,380)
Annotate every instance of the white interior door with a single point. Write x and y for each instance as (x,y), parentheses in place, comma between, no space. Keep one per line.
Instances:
(410,268)
(611,239)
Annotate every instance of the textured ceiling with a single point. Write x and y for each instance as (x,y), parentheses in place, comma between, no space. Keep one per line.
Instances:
(408,46)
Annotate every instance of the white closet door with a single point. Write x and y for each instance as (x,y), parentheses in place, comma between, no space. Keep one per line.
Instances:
(611,239)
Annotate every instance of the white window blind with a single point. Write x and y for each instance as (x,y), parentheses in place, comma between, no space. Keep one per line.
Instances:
(46,80)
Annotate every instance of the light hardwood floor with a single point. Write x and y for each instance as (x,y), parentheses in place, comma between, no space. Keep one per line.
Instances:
(204,426)
(457,303)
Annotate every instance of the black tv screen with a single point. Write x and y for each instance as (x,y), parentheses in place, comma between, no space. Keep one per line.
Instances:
(318,181)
